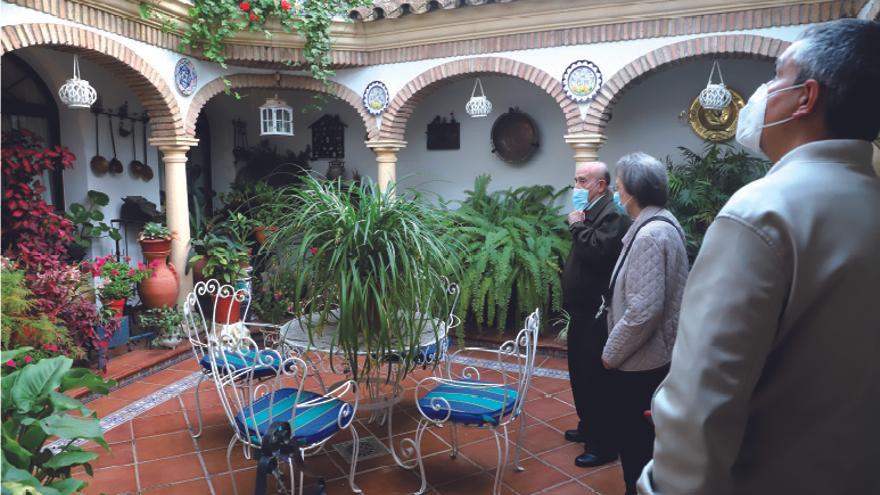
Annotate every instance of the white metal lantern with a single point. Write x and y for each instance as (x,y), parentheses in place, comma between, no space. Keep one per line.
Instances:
(276,118)
(716,96)
(478,106)
(76,92)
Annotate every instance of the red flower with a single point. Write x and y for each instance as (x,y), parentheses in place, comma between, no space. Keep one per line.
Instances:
(51,347)
(313,250)
(10,363)
(114,272)
(103,344)
(141,266)
(285,5)
(244,6)
(131,273)
(28,359)
(253,16)
(127,259)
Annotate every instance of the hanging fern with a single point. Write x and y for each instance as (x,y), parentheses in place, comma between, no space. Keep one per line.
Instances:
(702,184)
(514,242)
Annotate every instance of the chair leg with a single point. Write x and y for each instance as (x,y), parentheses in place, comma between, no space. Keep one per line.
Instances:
(502,457)
(520,436)
(454,434)
(355,447)
(420,430)
(198,433)
(229,463)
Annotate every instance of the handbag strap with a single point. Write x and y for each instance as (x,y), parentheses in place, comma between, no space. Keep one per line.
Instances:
(626,252)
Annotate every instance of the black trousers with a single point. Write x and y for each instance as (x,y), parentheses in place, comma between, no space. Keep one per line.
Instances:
(591,382)
(633,391)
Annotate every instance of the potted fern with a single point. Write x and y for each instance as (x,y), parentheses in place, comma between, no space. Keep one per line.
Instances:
(377,265)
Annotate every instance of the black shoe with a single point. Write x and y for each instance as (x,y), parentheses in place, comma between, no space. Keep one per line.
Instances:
(589,459)
(575,436)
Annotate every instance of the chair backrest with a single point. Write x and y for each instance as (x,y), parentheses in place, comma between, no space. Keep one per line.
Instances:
(243,372)
(201,311)
(525,348)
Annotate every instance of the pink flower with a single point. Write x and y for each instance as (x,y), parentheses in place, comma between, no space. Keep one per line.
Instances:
(103,344)
(114,272)
(131,273)
(155,264)
(10,363)
(51,347)
(313,250)
(141,265)
(127,259)
(28,359)
(285,5)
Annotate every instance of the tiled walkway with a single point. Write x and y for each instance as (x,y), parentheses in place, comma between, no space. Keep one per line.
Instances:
(154,453)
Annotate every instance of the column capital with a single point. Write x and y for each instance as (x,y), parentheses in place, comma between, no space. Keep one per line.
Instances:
(585,139)
(172,144)
(386,145)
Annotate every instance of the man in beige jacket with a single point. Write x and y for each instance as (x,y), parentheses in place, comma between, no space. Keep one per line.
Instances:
(774,386)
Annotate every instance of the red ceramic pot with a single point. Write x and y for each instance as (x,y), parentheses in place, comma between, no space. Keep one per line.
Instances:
(162,287)
(227,310)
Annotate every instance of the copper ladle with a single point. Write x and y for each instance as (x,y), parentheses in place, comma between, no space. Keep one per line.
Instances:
(98,163)
(115,165)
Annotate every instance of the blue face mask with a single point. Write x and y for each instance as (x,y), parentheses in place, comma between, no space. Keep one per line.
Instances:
(580,198)
(620,206)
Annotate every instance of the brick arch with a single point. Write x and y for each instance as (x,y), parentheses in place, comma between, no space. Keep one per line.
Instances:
(239,81)
(731,46)
(143,80)
(401,107)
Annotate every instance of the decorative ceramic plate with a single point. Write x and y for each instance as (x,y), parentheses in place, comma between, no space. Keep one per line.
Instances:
(185,76)
(582,80)
(376,98)
(716,125)
(514,137)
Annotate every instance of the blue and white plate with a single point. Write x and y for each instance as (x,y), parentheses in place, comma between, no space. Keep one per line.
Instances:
(185,76)
(376,98)
(582,80)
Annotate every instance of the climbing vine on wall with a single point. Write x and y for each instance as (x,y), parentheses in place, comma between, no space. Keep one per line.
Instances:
(213,22)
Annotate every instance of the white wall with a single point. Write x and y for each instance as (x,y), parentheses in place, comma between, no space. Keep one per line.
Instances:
(646,118)
(78,133)
(222,109)
(450,172)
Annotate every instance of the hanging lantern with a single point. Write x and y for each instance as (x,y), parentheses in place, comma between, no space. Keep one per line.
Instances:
(76,92)
(478,106)
(716,96)
(276,118)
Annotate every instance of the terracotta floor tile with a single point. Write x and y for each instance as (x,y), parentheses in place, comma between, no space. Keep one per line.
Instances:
(606,481)
(113,480)
(550,385)
(481,483)
(485,453)
(169,470)
(194,487)
(166,376)
(384,481)
(169,406)
(215,460)
(213,416)
(401,422)
(121,433)
(565,396)
(555,363)
(466,435)
(536,477)
(540,438)
(120,455)
(187,365)
(547,409)
(135,391)
(160,446)
(159,425)
(244,480)
(215,437)
(431,443)
(568,422)
(570,488)
(563,459)
(208,397)
(107,405)
(440,468)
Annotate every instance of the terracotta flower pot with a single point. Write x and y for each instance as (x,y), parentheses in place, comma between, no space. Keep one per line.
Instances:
(227,310)
(260,234)
(162,287)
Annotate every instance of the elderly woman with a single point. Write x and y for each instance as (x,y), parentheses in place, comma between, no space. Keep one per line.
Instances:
(646,291)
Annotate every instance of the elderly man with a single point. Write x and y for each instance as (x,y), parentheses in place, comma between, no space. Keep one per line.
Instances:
(775,383)
(597,228)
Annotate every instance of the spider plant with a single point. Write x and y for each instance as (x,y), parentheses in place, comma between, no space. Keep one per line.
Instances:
(382,261)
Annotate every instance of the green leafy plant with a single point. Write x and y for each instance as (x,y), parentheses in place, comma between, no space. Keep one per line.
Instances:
(515,244)
(225,259)
(165,321)
(381,261)
(702,183)
(34,410)
(213,23)
(155,231)
(118,277)
(20,321)
(89,222)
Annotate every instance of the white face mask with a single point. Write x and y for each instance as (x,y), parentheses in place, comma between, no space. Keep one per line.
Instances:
(750,122)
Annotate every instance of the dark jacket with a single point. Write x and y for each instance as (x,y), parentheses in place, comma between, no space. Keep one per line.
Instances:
(595,245)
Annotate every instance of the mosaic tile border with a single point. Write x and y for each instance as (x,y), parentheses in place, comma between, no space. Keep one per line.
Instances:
(128,380)
(495,365)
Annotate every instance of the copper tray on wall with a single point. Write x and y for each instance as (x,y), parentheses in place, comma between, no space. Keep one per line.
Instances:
(514,137)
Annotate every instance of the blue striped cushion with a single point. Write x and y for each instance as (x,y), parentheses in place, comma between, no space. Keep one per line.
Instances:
(469,405)
(239,362)
(311,425)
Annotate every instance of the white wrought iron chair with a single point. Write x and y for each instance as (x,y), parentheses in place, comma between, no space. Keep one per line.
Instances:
(468,399)
(254,403)
(200,316)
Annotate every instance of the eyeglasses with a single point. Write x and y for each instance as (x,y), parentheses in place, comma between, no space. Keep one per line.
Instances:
(583,181)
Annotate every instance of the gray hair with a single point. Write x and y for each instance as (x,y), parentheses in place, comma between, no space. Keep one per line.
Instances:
(844,58)
(644,178)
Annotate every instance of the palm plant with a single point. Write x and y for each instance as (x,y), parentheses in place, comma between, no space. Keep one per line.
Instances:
(514,244)
(382,261)
(702,184)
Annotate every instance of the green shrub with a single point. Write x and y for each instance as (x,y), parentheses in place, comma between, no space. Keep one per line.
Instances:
(514,245)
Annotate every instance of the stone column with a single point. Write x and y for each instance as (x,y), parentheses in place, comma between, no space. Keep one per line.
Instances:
(386,155)
(176,203)
(586,147)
